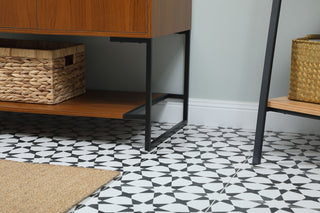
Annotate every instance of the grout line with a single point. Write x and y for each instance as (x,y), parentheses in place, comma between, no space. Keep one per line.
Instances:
(122,173)
(227,184)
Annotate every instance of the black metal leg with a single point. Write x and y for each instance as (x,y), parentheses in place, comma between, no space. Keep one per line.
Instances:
(134,114)
(263,103)
(186,76)
(148,96)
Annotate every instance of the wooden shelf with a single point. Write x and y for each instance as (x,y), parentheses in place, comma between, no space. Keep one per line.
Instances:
(284,103)
(101,104)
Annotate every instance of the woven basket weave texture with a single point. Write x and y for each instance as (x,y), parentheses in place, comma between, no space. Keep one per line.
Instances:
(41,72)
(305,70)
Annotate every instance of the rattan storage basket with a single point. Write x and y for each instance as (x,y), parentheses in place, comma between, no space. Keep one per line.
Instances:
(41,72)
(305,70)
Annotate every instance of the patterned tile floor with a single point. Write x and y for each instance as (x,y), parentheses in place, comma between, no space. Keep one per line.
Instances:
(200,169)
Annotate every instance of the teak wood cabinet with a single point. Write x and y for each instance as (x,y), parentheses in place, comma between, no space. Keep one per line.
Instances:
(136,21)
(118,18)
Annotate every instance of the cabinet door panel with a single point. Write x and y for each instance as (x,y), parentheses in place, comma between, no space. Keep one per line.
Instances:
(18,13)
(93,15)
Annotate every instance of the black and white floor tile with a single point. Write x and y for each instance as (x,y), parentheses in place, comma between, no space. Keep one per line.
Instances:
(200,169)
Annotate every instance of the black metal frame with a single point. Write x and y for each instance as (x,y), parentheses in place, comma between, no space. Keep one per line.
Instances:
(266,79)
(147,108)
(265,86)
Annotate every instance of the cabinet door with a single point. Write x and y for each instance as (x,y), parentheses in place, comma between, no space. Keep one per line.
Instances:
(93,15)
(18,13)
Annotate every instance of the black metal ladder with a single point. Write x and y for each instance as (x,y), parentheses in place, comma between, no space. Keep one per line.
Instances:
(265,86)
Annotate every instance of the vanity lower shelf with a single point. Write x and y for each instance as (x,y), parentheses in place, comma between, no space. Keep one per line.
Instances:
(95,103)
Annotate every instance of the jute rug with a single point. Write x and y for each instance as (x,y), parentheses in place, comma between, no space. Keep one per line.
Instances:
(26,187)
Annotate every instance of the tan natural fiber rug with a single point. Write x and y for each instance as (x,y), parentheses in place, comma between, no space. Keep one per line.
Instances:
(26,187)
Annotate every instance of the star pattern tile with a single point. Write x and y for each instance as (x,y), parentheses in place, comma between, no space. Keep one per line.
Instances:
(199,169)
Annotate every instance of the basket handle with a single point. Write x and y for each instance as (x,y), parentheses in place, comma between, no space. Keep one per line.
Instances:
(69,60)
(313,36)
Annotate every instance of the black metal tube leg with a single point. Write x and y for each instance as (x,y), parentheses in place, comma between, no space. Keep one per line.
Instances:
(148,96)
(186,76)
(263,103)
(150,144)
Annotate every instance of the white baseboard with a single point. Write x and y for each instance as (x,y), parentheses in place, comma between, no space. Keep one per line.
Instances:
(232,114)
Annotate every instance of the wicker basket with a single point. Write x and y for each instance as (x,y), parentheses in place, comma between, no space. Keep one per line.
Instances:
(305,70)
(41,72)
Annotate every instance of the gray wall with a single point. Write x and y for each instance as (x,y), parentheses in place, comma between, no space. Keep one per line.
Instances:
(228,46)
(227,52)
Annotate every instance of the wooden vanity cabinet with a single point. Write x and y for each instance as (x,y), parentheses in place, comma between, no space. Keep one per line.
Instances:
(111,18)
(124,20)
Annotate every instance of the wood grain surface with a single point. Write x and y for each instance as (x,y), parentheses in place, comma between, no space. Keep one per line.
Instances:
(101,104)
(109,18)
(295,106)
(169,16)
(18,13)
(93,15)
